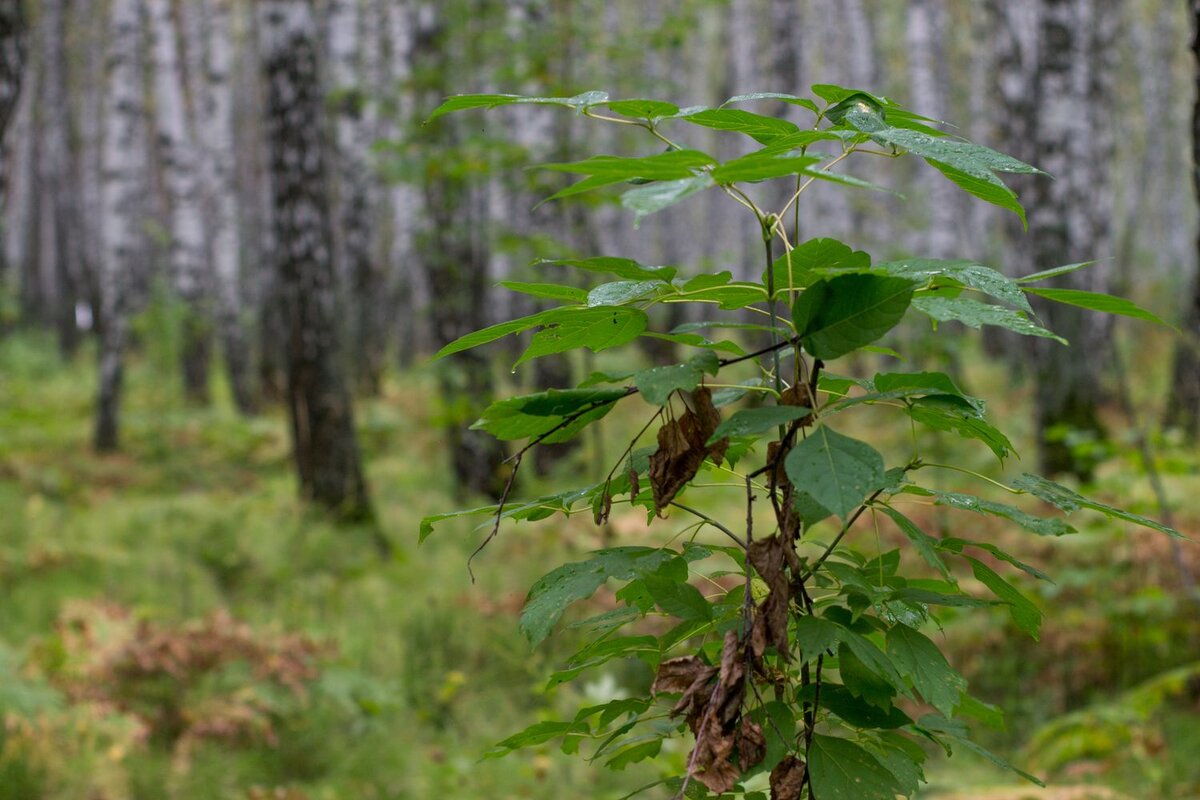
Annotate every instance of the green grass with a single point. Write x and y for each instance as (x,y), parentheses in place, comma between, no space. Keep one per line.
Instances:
(425,670)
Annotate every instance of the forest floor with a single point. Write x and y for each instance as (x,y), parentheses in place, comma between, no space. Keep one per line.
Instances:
(174,624)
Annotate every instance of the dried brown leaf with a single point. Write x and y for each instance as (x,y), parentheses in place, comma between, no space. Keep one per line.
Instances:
(770,625)
(787,779)
(751,745)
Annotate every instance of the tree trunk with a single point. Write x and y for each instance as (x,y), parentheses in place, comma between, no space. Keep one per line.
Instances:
(1183,400)
(322,418)
(122,206)
(12,59)
(455,260)
(220,164)
(180,160)
(929,80)
(349,52)
(1070,218)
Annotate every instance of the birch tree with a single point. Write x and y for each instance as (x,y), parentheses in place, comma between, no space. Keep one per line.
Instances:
(219,155)
(121,205)
(1183,399)
(188,246)
(62,225)
(322,419)
(1070,217)
(454,258)
(351,53)
(929,83)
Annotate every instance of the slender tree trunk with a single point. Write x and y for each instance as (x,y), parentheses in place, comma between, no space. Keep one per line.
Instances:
(12,58)
(929,81)
(1183,400)
(122,242)
(455,260)
(1070,218)
(188,249)
(323,437)
(349,51)
(215,116)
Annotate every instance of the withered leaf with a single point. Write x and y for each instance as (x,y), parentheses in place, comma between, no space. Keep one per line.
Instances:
(752,744)
(777,479)
(689,676)
(713,767)
(635,488)
(600,515)
(682,448)
(770,625)
(787,779)
(800,396)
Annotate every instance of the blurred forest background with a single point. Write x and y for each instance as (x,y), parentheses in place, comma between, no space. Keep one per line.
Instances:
(175,621)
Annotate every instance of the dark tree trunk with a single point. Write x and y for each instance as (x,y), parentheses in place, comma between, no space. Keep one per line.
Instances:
(12,58)
(1070,218)
(454,256)
(323,437)
(1183,400)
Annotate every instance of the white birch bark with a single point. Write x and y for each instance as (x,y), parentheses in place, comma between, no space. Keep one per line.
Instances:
(1071,217)
(929,82)
(214,95)
(122,204)
(180,161)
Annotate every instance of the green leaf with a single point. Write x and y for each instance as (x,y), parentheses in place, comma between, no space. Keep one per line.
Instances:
(579,580)
(958,732)
(961,271)
(858,712)
(925,544)
(550,291)
(464,102)
(989,191)
(841,770)
(664,166)
(1104,303)
(730,297)
(966,502)
(863,681)
(871,657)
(654,197)
(621,292)
(594,328)
(929,382)
(1068,500)
(826,255)
(954,545)
(678,598)
(538,733)
(1027,616)
(537,414)
(976,315)
(942,413)
(493,333)
(625,268)
(658,383)
(814,636)
(921,661)
(754,421)
(761,128)
(634,754)
(643,109)
(836,471)
(428,523)
(787,98)
(758,167)
(838,315)
(1055,272)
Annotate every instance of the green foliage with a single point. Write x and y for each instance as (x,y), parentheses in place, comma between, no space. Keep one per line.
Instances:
(831,636)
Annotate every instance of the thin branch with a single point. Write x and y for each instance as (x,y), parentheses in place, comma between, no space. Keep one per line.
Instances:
(837,539)
(712,522)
